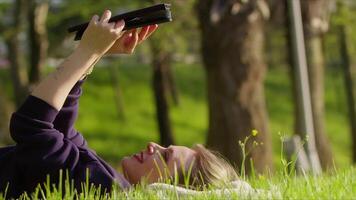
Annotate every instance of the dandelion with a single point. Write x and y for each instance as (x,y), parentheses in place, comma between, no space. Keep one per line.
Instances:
(261,177)
(254,132)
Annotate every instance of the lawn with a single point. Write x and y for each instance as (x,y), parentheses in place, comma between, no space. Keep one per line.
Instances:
(113,138)
(338,185)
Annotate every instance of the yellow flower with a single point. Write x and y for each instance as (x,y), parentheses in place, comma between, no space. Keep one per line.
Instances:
(254,133)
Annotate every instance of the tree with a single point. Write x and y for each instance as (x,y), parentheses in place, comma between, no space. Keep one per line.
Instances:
(161,63)
(349,87)
(38,43)
(342,31)
(5,105)
(163,83)
(232,50)
(36,13)
(15,50)
(316,23)
(5,113)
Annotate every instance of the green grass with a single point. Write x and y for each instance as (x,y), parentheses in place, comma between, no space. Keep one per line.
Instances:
(113,138)
(338,185)
(99,123)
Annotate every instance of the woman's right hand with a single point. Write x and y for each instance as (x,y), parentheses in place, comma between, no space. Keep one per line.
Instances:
(100,35)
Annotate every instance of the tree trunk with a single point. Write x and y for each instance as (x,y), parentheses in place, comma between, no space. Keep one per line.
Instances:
(316,22)
(161,63)
(172,87)
(5,113)
(233,57)
(38,38)
(349,86)
(15,52)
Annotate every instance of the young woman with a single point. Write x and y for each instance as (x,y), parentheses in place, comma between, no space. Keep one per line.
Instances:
(46,141)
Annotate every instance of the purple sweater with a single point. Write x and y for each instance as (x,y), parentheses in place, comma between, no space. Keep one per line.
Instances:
(46,142)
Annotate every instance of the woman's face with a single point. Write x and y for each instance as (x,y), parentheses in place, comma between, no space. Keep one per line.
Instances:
(149,164)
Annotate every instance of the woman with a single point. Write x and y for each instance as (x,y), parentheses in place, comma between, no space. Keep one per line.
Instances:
(46,141)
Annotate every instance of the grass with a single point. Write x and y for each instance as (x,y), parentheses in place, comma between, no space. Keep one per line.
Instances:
(189,118)
(99,123)
(113,138)
(340,184)
(101,126)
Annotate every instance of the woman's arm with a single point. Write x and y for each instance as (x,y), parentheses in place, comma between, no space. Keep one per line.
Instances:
(99,37)
(67,116)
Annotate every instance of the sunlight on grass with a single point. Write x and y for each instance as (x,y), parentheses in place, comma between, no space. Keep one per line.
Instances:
(337,185)
(99,121)
(113,138)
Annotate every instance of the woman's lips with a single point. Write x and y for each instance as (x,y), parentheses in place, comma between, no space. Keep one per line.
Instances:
(139,157)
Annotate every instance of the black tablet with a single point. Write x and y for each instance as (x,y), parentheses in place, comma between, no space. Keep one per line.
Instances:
(157,14)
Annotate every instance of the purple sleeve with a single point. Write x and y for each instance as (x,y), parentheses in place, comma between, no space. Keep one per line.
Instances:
(40,147)
(65,119)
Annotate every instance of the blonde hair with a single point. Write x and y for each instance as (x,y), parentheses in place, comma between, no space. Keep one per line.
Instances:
(209,169)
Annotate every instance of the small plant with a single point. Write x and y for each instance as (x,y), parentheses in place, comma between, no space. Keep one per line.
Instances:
(246,153)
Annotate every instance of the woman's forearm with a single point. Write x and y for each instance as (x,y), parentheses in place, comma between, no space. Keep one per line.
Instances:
(99,38)
(55,88)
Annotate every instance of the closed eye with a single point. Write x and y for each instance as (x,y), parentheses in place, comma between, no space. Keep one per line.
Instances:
(166,156)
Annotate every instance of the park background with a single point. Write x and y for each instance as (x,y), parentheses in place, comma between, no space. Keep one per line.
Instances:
(165,91)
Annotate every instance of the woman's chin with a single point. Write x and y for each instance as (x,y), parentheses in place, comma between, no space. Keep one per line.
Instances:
(124,168)
(125,163)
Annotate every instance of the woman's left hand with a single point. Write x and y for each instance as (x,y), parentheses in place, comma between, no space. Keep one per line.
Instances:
(127,43)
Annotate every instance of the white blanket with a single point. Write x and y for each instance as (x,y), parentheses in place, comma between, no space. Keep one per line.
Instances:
(239,189)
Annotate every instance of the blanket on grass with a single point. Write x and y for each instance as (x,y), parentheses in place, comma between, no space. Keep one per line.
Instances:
(238,189)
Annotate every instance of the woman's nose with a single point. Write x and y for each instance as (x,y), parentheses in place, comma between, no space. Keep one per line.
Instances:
(152,147)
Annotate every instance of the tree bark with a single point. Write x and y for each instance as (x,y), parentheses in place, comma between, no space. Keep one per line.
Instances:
(15,52)
(233,57)
(172,87)
(349,86)
(5,113)
(316,22)
(161,63)
(163,85)
(37,13)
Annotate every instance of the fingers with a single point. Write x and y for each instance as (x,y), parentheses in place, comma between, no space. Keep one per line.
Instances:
(116,26)
(131,41)
(94,19)
(143,33)
(105,17)
(127,37)
(119,26)
(152,29)
(146,32)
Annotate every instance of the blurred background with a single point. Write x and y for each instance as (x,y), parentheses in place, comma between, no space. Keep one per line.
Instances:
(222,71)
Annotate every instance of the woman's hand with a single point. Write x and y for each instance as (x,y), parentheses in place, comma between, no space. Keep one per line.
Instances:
(100,35)
(127,43)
